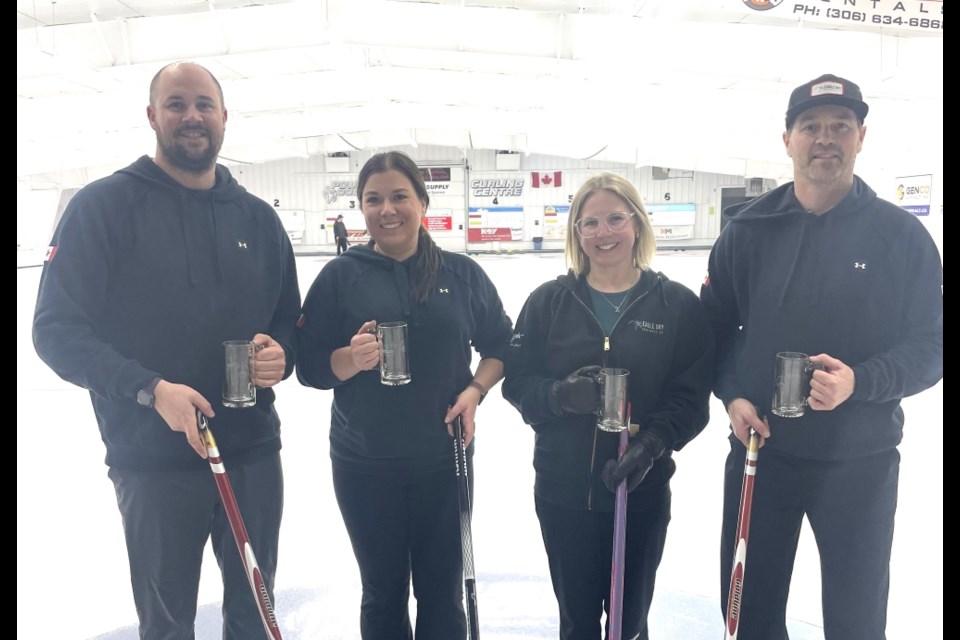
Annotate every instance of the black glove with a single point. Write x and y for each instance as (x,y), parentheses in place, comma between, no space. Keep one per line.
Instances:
(578,393)
(636,462)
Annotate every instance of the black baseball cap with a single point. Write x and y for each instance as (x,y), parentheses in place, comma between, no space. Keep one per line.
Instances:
(827,89)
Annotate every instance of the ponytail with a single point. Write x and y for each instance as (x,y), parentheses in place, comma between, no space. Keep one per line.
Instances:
(427,267)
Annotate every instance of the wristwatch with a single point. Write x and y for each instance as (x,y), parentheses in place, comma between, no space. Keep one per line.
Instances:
(145,397)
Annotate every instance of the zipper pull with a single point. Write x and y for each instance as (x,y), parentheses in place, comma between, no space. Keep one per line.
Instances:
(606,343)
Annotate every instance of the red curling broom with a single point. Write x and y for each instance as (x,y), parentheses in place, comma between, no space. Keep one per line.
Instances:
(250,567)
(735,597)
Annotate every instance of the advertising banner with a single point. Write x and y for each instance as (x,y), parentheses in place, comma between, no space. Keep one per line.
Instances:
(913,194)
(438,220)
(555,221)
(889,16)
(672,221)
(436,179)
(495,224)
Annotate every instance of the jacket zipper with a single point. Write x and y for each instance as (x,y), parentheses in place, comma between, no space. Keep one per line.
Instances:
(603,361)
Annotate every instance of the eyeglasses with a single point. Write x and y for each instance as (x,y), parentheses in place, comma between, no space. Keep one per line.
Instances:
(589,227)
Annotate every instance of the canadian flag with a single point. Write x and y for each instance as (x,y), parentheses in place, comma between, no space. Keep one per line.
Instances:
(547,179)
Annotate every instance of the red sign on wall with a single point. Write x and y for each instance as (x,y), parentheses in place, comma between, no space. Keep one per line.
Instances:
(438,223)
(489,234)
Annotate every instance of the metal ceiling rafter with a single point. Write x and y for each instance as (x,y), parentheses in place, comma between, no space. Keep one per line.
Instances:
(102,38)
(352,146)
(524,68)
(125,41)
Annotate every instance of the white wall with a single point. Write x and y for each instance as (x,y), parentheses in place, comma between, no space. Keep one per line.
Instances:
(304,184)
(301,184)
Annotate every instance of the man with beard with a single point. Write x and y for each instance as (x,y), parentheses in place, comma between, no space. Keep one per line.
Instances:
(150,270)
(822,266)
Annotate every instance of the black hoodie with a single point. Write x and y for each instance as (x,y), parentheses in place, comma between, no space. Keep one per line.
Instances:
(662,337)
(861,283)
(147,278)
(377,428)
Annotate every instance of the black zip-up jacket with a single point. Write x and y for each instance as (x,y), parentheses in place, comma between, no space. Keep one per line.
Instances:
(662,338)
(861,283)
(147,278)
(376,428)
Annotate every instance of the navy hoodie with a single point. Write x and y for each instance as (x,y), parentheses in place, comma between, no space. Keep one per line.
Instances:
(377,428)
(861,283)
(147,278)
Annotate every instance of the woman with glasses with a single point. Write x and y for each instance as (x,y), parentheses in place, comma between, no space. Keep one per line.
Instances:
(610,310)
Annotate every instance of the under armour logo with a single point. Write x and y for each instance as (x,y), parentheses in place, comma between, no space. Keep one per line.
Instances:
(859,265)
(443,290)
(241,244)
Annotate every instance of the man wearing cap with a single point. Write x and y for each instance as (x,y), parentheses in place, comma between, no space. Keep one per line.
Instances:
(822,266)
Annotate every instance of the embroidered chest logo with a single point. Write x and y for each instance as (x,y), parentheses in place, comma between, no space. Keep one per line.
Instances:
(860,265)
(442,290)
(516,340)
(241,244)
(647,327)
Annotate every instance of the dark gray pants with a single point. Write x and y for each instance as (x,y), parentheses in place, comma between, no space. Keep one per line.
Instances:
(579,547)
(168,517)
(850,505)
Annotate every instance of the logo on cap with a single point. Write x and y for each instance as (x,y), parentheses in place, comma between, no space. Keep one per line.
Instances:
(826,89)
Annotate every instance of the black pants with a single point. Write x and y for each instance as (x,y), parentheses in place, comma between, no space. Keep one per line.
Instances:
(850,505)
(579,548)
(341,245)
(167,518)
(402,526)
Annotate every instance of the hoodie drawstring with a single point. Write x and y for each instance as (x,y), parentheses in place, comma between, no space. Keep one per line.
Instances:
(217,262)
(210,245)
(793,266)
(191,268)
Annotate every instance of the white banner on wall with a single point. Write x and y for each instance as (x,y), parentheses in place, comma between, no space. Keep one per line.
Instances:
(886,15)
(495,224)
(672,221)
(294,222)
(555,222)
(914,192)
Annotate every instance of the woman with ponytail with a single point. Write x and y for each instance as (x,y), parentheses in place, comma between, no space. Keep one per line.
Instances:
(392,456)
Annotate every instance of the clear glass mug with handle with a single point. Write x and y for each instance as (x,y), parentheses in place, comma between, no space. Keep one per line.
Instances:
(238,389)
(612,415)
(394,360)
(791,387)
